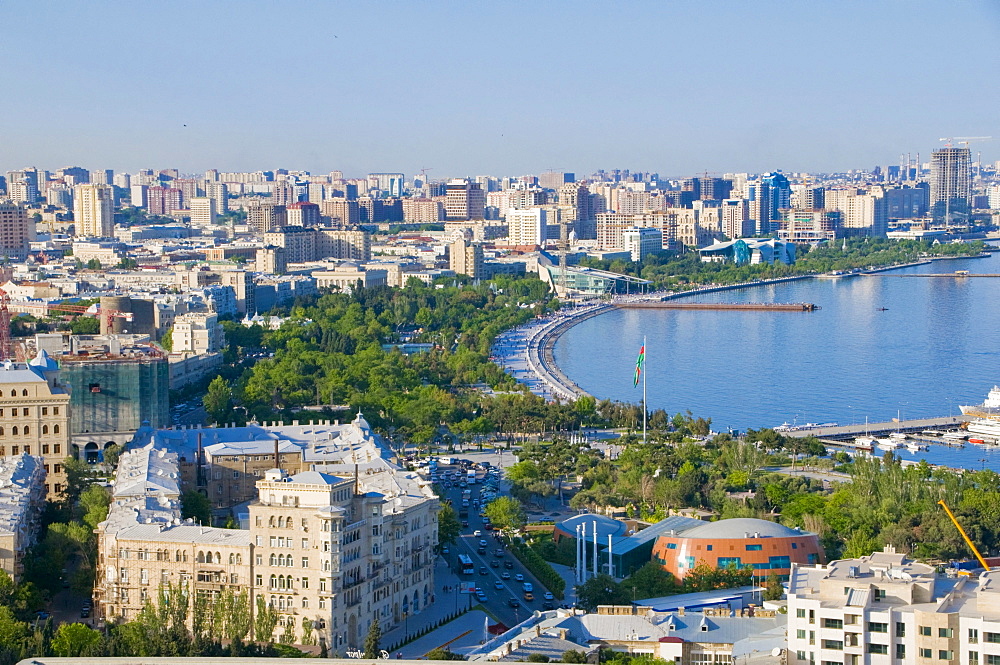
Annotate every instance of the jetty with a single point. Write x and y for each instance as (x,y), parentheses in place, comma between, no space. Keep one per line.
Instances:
(846,432)
(764,306)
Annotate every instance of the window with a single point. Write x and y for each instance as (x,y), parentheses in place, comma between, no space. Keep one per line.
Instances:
(58,468)
(992,638)
(45,430)
(260,580)
(322,584)
(946,632)
(926,653)
(990,659)
(945,654)
(55,412)
(800,613)
(924,630)
(754,548)
(875,627)
(833,623)
(973,658)
(305,543)
(305,582)
(58,447)
(836,645)
(45,411)
(322,603)
(724,561)
(973,636)
(901,651)
(305,562)
(878,648)
(900,629)
(800,634)
(800,655)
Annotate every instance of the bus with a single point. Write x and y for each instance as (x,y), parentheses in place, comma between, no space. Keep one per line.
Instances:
(465,564)
(470,477)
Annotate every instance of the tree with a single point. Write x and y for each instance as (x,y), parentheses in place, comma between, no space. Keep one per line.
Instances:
(94,264)
(373,648)
(505,513)
(264,622)
(167,340)
(85,325)
(218,400)
(443,654)
(75,640)
(574,656)
(650,581)
(127,263)
(94,502)
(196,505)
(774,590)
(600,590)
(449,528)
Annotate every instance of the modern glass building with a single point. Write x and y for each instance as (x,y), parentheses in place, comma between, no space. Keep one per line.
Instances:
(116,394)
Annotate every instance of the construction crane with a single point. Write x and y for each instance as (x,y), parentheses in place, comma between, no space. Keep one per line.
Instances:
(964,139)
(7,344)
(965,537)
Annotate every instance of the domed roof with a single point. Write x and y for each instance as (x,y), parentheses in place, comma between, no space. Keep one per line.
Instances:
(739,528)
(44,361)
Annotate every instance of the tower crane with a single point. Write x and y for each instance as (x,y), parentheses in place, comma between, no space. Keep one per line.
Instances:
(965,537)
(949,140)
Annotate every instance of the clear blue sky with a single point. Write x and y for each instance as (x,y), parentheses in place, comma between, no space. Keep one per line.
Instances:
(506,88)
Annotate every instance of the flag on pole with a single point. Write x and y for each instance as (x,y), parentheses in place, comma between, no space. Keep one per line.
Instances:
(638,365)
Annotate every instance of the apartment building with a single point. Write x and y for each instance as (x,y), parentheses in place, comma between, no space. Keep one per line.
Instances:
(34,416)
(15,231)
(22,499)
(886,609)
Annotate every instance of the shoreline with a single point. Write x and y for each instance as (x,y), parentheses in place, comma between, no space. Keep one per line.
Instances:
(528,352)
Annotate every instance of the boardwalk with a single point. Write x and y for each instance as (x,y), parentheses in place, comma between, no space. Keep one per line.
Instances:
(876,429)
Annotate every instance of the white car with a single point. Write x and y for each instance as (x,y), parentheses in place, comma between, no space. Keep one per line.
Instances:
(477,532)
(548,596)
(519,577)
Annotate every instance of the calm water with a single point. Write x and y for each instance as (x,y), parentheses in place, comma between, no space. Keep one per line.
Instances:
(937,346)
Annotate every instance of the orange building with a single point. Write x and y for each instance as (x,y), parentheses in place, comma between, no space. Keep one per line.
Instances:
(765,546)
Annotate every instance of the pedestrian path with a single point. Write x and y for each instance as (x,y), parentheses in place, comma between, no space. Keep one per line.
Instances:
(459,635)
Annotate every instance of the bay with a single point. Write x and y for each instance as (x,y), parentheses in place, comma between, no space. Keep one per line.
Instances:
(937,345)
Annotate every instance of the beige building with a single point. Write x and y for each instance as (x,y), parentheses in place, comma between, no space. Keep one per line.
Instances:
(203,211)
(198,332)
(34,416)
(466,258)
(330,547)
(15,231)
(303,244)
(347,276)
(94,211)
(22,499)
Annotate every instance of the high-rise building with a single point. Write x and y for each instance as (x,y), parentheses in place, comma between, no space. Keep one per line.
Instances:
(526,227)
(163,200)
(23,186)
(73,175)
(466,258)
(303,213)
(263,216)
(736,222)
(198,332)
(642,241)
(94,211)
(386,184)
(15,233)
(283,193)
(203,211)
(219,192)
(555,179)
(463,200)
(951,181)
(342,211)
(102,177)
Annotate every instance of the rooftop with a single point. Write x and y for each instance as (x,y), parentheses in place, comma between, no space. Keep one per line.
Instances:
(742,527)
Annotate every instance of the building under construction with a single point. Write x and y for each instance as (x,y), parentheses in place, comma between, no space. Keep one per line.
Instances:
(118,384)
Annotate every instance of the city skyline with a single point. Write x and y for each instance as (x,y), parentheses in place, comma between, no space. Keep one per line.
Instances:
(504,89)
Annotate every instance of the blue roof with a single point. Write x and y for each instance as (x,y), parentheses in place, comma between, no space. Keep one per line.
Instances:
(606,526)
(677,523)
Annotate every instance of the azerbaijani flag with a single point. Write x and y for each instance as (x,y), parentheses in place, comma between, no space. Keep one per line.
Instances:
(638,365)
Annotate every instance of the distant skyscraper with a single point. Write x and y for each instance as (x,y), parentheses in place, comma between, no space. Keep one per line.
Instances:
(388,184)
(262,217)
(555,179)
(22,186)
(951,180)
(464,200)
(526,227)
(163,200)
(466,258)
(94,211)
(219,192)
(302,214)
(102,177)
(14,230)
(203,211)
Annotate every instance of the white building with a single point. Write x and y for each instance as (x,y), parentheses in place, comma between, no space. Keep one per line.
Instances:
(203,211)
(22,498)
(198,332)
(526,227)
(885,609)
(640,242)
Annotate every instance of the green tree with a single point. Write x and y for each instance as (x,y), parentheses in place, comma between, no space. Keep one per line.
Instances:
(94,502)
(85,325)
(650,581)
(600,590)
(75,640)
(574,656)
(505,513)
(127,263)
(373,647)
(196,505)
(94,264)
(218,400)
(449,528)
(773,590)
(443,654)
(167,339)
(265,619)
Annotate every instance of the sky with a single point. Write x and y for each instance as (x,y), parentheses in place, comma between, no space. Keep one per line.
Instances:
(677,87)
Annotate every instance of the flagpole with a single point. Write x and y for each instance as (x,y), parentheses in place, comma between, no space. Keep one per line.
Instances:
(644,389)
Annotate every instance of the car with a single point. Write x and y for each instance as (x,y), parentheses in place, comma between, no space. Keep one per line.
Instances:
(482,597)
(494,563)
(519,577)
(505,575)
(465,524)
(528,586)
(483,570)
(477,533)
(514,602)
(481,551)
(528,596)
(548,596)
(498,552)
(488,527)
(85,612)
(445,550)
(498,585)
(548,606)
(509,565)
(483,543)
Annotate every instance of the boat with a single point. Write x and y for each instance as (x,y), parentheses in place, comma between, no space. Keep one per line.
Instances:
(976,440)
(984,426)
(888,443)
(990,408)
(915,447)
(932,432)
(897,436)
(881,309)
(865,443)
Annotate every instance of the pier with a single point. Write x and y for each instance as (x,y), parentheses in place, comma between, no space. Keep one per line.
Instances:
(766,306)
(846,432)
(958,273)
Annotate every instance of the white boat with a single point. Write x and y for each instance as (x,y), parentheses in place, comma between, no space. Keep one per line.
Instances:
(865,443)
(897,436)
(915,447)
(889,443)
(985,427)
(988,409)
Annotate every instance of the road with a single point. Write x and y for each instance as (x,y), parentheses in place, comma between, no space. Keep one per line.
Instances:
(468,543)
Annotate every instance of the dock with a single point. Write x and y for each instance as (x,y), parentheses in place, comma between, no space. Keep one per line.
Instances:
(847,432)
(754,306)
(959,274)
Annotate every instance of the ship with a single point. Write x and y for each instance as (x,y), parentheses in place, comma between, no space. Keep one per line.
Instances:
(985,426)
(988,409)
